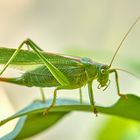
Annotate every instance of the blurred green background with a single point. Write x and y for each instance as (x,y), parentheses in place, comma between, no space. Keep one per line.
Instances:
(88,28)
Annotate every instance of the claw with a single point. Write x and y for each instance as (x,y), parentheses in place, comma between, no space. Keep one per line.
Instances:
(46,111)
(95,111)
(124,96)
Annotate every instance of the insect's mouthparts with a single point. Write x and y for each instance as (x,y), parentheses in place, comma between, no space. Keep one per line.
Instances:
(99,86)
(108,83)
(106,86)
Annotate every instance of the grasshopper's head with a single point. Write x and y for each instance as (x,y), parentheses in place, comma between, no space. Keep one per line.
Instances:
(103,76)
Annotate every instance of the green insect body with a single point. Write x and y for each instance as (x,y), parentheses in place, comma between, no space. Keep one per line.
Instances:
(44,69)
(77,70)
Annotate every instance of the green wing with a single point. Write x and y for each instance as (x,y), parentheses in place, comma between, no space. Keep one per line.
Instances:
(28,60)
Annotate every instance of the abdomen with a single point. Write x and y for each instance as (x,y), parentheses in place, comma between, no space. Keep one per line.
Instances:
(42,77)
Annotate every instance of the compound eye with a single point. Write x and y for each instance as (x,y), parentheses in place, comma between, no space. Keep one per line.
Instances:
(103,71)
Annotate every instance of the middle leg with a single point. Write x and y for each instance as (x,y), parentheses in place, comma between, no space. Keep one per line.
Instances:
(91,97)
(55,95)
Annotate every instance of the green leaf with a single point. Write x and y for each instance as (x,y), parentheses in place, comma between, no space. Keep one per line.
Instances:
(62,105)
(119,129)
(32,124)
(127,109)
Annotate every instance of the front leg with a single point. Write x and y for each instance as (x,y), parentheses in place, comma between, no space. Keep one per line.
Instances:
(117,84)
(91,97)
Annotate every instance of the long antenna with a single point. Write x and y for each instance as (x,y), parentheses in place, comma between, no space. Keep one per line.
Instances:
(131,27)
(136,76)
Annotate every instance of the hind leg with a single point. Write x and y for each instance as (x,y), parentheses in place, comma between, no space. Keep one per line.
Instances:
(17,51)
(59,76)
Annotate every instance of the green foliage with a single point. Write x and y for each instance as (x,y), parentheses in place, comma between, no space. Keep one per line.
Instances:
(32,124)
(119,129)
(32,115)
